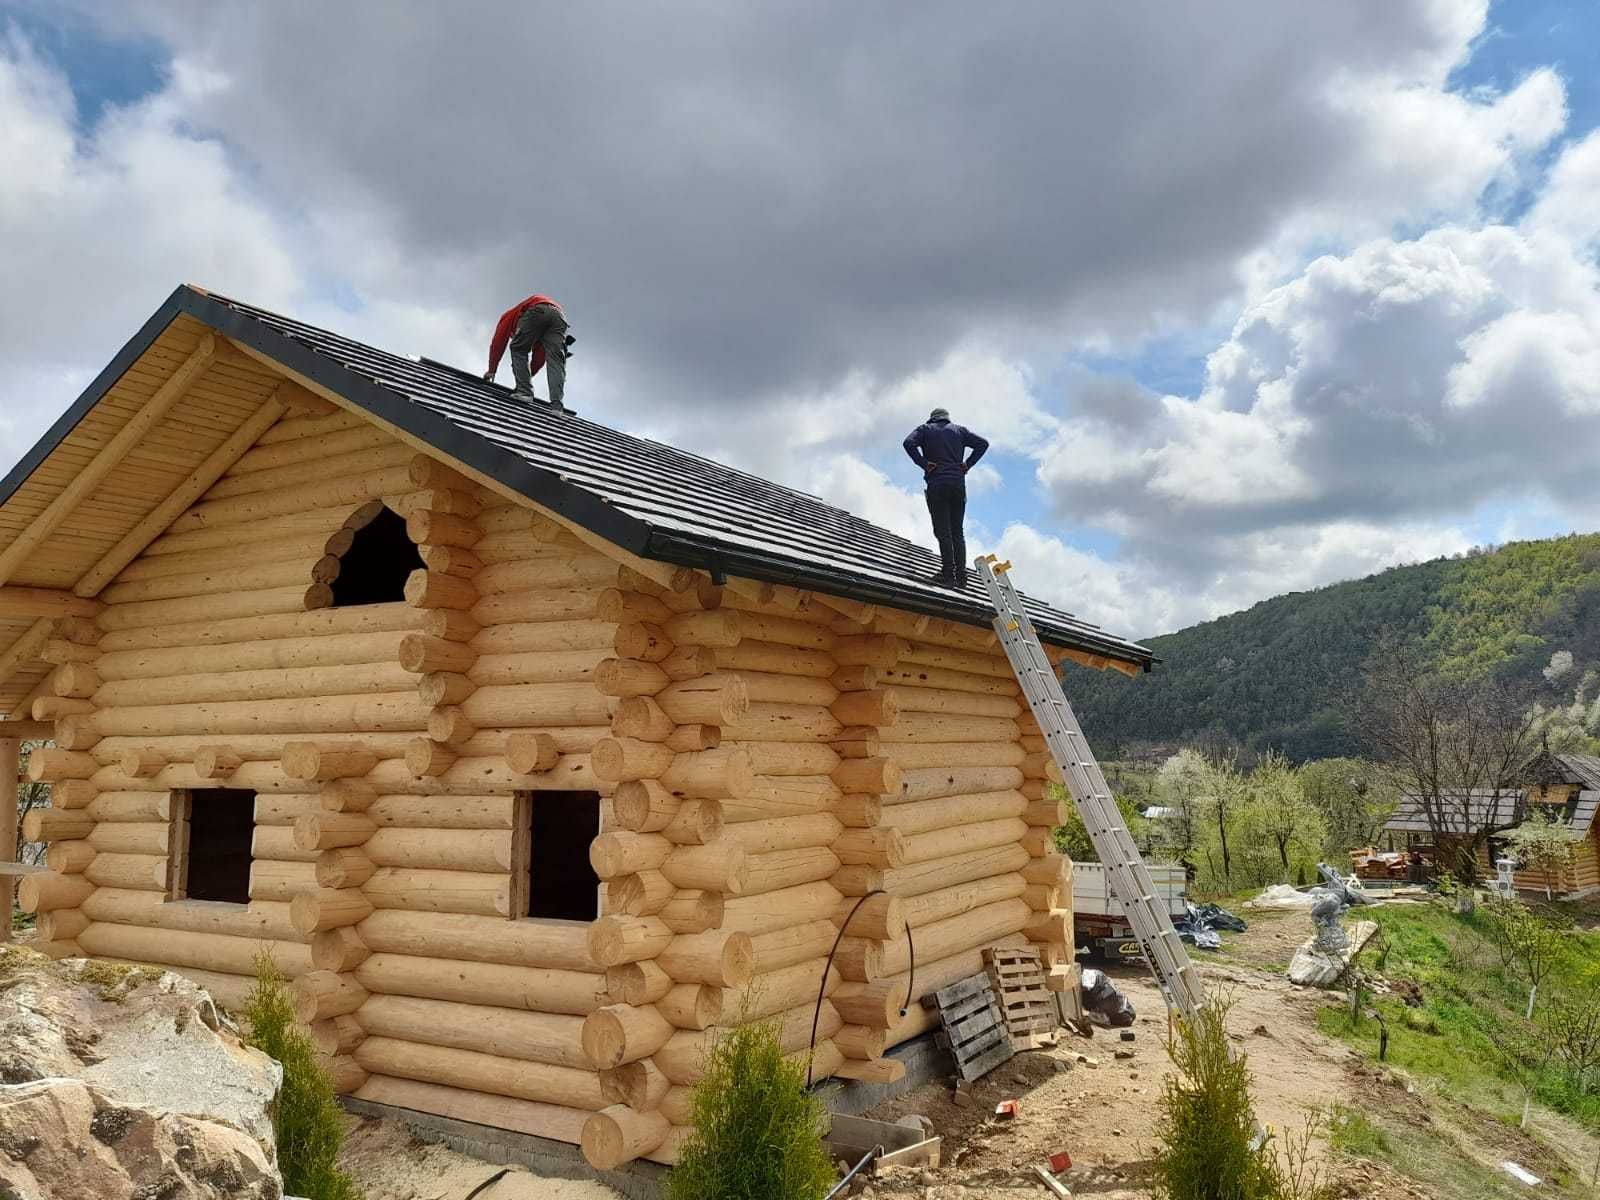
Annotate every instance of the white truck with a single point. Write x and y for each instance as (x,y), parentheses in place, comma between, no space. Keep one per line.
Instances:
(1098,919)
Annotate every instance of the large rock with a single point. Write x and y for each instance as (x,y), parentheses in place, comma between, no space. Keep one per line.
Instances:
(62,1138)
(85,1039)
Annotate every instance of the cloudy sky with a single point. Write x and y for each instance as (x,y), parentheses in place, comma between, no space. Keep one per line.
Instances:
(1248,297)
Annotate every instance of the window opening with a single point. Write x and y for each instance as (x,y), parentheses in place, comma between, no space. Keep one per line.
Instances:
(380,560)
(554,879)
(212,829)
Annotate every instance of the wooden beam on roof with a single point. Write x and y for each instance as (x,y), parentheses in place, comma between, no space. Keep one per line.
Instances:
(25,649)
(111,454)
(302,401)
(199,482)
(44,602)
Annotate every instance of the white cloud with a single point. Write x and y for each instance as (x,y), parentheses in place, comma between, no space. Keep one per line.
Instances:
(1568,205)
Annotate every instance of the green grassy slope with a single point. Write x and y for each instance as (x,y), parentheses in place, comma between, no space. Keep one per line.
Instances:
(1269,677)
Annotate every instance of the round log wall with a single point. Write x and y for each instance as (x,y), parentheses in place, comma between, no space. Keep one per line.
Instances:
(768,760)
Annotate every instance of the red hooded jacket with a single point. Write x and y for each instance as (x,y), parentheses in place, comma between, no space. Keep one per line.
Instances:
(507,326)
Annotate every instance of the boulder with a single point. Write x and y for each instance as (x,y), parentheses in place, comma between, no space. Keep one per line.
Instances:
(106,1047)
(65,1137)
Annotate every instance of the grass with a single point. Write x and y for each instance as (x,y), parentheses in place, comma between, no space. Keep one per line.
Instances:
(1468,1000)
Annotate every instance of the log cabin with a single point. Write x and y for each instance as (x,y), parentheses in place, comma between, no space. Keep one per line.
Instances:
(532,752)
(1562,787)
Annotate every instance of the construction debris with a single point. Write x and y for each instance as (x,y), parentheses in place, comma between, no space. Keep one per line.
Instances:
(1104,1003)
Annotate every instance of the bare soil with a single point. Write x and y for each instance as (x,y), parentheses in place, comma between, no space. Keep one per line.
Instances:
(1095,1098)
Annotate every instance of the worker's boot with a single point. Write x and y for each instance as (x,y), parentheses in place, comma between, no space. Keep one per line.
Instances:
(523,394)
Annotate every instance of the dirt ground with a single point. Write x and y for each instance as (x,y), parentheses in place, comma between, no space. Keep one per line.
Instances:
(1095,1098)
(390,1164)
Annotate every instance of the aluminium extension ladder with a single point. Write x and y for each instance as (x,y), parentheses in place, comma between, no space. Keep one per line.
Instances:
(1126,874)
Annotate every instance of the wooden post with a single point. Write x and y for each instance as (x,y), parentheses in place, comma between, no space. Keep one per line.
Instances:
(10,767)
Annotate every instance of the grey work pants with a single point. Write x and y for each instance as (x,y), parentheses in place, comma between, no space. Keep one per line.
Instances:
(542,325)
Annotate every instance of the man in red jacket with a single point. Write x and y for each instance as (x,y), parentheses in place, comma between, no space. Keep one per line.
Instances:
(536,331)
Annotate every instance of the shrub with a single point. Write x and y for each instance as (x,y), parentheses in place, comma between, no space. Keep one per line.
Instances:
(756,1127)
(1209,1146)
(308,1120)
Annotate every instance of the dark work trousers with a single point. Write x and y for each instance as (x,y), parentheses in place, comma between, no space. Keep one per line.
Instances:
(542,325)
(947,505)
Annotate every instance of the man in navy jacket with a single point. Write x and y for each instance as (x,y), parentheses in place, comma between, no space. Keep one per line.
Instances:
(940,449)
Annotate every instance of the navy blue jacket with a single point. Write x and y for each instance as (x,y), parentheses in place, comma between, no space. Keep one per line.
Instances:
(944,445)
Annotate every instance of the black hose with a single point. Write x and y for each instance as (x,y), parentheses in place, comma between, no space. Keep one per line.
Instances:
(822,987)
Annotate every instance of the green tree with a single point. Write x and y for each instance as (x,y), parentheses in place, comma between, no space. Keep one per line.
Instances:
(306,1116)
(1281,809)
(756,1126)
(1545,844)
(1354,797)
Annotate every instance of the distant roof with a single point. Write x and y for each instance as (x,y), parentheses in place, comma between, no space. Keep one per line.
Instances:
(1409,816)
(649,498)
(1463,814)
(1582,769)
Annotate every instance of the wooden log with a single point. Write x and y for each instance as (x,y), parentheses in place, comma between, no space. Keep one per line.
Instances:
(258,921)
(313,761)
(716,699)
(773,658)
(718,866)
(875,1005)
(323,995)
(693,912)
(339,949)
(913,756)
(881,916)
(1052,869)
(641,717)
(343,868)
(954,702)
(621,1134)
(695,823)
(786,833)
(868,776)
(973,662)
(880,1070)
(857,678)
(551,945)
(641,894)
(689,662)
(718,958)
(880,651)
(942,903)
(790,758)
(421,654)
(477,1071)
(483,850)
(637,983)
(642,640)
(425,757)
(337,1035)
(213,762)
(61,925)
(772,723)
(775,687)
(317,831)
(878,847)
(429,528)
(629,677)
(51,766)
(622,853)
(921,727)
(551,1121)
(623,1033)
(69,858)
(56,824)
(212,951)
(772,992)
(932,783)
(617,938)
(942,843)
(328,908)
(765,912)
(923,877)
(444,687)
(979,927)
(720,627)
(859,812)
(484,893)
(620,760)
(53,708)
(643,806)
(709,774)
(431,589)
(780,948)
(550,1038)
(692,1006)
(449,726)
(639,1085)
(497,985)
(1054,927)
(877,707)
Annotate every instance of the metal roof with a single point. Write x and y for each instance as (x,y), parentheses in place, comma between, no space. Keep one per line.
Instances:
(651,499)
(1462,814)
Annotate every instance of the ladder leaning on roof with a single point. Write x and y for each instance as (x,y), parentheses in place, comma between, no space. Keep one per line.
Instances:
(1125,871)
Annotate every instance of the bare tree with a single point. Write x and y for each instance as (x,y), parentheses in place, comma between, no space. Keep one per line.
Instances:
(30,796)
(1457,747)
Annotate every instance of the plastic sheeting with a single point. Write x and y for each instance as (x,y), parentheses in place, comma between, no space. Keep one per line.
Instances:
(1200,924)
(1103,1002)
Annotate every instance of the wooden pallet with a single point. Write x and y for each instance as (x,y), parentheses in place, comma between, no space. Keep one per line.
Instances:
(1019,979)
(973,1029)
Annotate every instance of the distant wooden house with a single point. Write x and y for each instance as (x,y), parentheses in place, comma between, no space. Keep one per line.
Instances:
(530,750)
(1565,787)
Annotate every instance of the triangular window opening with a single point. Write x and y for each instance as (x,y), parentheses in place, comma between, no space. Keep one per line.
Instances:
(380,560)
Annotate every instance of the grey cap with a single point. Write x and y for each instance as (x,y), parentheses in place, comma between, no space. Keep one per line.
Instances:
(939,414)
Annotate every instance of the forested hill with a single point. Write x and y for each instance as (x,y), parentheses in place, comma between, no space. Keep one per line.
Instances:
(1269,677)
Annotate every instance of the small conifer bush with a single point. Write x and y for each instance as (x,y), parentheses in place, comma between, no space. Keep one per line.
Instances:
(1207,1144)
(307,1117)
(756,1127)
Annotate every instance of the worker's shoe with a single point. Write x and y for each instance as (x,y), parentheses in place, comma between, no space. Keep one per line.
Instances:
(939,579)
(523,394)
